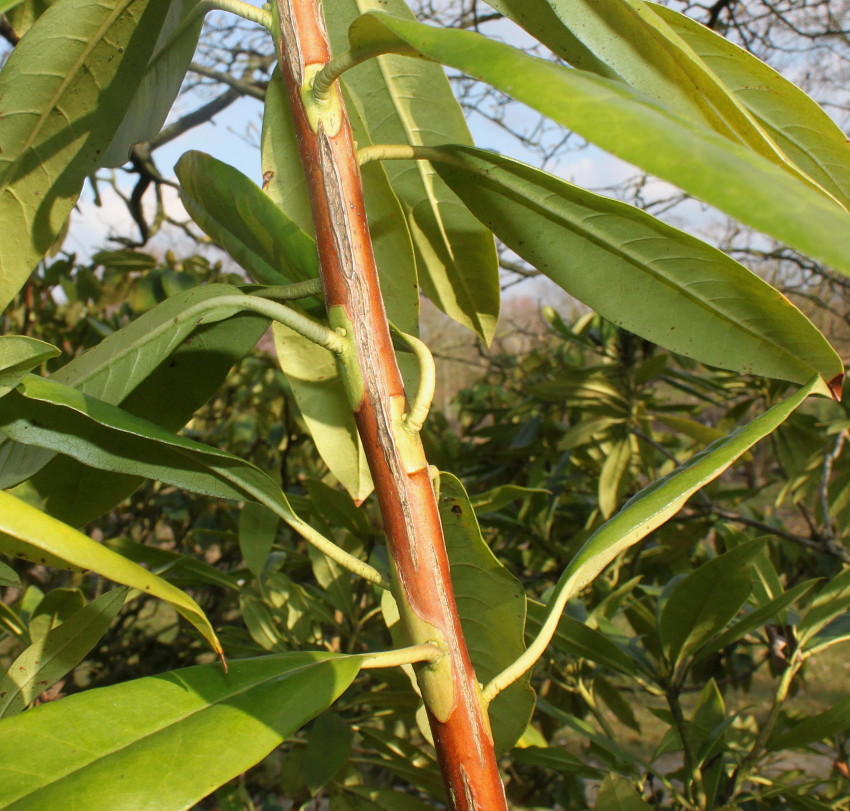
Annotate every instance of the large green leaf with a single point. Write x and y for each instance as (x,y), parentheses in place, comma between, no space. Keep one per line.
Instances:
(28,533)
(161,82)
(65,89)
(636,128)
(815,727)
(807,136)
(640,273)
(244,221)
(183,371)
(618,794)
(169,739)
(491,605)
(644,51)
(700,604)
(403,102)
(49,415)
(55,654)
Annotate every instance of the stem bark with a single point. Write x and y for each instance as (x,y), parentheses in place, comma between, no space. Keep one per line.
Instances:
(421,582)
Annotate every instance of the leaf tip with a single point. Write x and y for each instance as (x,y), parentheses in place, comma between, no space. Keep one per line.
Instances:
(220,653)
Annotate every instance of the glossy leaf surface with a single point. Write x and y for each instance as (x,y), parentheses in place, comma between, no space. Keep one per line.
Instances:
(65,90)
(235,213)
(30,534)
(180,736)
(18,355)
(636,128)
(634,270)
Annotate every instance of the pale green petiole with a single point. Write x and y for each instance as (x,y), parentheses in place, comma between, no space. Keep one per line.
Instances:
(415,418)
(290,292)
(426,652)
(240,9)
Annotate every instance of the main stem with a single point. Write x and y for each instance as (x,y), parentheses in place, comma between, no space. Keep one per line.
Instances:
(421,582)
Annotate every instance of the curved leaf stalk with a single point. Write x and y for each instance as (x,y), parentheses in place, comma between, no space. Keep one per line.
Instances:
(290,292)
(240,9)
(421,405)
(642,514)
(421,580)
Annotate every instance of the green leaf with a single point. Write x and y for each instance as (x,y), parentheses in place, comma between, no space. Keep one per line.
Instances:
(8,576)
(660,501)
(61,107)
(57,653)
(175,737)
(120,363)
(492,500)
(235,213)
(491,605)
(30,534)
(8,5)
(18,355)
(700,604)
(612,477)
(100,435)
(407,103)
(182,382)
(553,757)
(755,619)
(618,794)
(257,530)
(640,273)
(831,601)
(636,128)
(814,728)
(807,136)
(318,389)
(182,570)
(328,750)
(580,640)
(161,82)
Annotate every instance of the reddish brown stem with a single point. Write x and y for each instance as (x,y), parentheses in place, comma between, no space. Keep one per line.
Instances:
(421,582)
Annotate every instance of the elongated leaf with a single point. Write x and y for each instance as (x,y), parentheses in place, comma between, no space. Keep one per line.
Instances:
(814,728)
(646,276)
(244,221)
(634,127)
(796,123)
(403,102)
(491,605)
(757,618)
(318,389)
(494,499)
(45,413)
(612,477)
(831,601)
(655,504)
(646,52)
(30,534)
(18,355)
(161,82)
(328,750)
(701,604)
(8,5)
(171,393)
(175,737)
(65,90)
(53,656)
(257,529)
(121,363)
